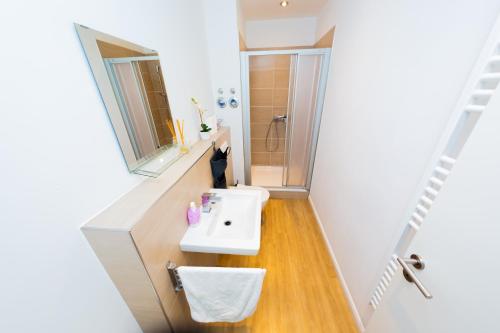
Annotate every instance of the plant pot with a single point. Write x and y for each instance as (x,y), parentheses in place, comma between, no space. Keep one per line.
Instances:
(205,135)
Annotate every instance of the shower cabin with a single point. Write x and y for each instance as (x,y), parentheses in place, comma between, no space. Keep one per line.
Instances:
(283,93)
(140,92)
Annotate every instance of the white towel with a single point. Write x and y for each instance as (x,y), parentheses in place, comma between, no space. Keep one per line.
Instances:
(221,294)
(223,147)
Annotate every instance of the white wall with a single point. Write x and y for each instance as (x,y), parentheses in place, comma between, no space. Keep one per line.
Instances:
(241,20)
(224,57)
(60,162)
(280,33)
(396,73)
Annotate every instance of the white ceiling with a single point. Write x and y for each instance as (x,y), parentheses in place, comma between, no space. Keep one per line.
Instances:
(271,9)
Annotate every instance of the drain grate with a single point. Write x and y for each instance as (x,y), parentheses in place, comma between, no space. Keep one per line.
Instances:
(227,223)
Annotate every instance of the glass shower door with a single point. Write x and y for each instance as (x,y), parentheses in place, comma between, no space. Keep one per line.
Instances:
(303,122)
(281,115)
(269,82)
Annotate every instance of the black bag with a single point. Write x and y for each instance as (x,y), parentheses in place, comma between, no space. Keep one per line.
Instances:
(218,162)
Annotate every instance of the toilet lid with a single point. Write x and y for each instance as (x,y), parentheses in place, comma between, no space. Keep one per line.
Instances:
(265,193)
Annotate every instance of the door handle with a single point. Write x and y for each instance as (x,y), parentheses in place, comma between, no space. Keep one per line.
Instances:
(410,276)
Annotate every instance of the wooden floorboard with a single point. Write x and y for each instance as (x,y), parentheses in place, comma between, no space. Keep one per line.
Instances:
(301,291)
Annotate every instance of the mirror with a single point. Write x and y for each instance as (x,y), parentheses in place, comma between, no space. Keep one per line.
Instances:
(131,84)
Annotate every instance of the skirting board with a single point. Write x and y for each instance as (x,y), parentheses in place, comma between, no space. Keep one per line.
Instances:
(284,193)
(354,310)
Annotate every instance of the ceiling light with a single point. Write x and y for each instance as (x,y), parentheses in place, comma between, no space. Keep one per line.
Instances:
(284,3)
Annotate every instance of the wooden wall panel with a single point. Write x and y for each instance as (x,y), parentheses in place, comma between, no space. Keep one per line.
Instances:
(109,50)
(117,253)
(135,258)
(326,41)
(243,45)
(158,234)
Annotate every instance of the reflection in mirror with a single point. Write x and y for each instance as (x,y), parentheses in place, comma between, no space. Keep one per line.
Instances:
(131,84)
(139,89)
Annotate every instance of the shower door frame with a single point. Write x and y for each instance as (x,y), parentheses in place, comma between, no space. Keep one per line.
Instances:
(245,104)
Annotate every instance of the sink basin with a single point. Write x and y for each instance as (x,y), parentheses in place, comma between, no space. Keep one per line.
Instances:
(231,227)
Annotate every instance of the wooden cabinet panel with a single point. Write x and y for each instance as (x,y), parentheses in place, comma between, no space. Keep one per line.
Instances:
(135,253)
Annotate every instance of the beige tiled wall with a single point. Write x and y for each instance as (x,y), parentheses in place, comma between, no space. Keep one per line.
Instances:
(269,82)
(157,99)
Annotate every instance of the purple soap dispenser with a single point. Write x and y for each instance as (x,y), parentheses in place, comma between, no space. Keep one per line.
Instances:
(193,215)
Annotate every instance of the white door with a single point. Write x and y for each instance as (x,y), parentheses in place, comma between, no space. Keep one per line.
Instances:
(460,243)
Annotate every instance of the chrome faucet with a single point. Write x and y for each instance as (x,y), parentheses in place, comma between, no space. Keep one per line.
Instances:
(207,201)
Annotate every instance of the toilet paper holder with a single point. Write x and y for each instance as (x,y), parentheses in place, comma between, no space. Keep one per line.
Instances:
(174,276)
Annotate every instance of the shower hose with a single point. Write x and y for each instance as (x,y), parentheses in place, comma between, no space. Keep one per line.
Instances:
(270,146)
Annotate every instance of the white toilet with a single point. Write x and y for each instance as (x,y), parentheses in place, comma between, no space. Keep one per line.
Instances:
(264,193)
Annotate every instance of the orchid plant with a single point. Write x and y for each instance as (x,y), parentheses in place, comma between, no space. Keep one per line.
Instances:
(201,112)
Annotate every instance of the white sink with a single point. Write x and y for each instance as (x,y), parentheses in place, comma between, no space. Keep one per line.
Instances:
(232,227)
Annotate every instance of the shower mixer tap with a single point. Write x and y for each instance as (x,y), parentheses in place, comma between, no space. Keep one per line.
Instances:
(281,117)
(270,147)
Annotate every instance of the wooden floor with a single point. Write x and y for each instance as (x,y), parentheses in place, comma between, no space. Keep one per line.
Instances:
(301,292)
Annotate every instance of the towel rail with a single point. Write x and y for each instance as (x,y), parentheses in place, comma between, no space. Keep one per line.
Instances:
(174,276)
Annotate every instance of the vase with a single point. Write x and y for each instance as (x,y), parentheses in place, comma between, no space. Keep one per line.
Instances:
(205,135)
